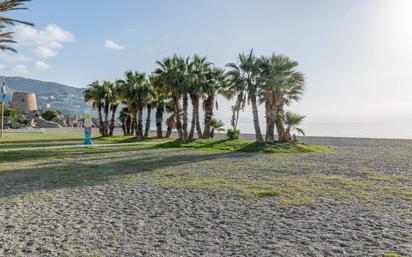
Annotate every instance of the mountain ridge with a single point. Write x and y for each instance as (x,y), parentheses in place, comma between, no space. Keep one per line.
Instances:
(64,98)
(41,88)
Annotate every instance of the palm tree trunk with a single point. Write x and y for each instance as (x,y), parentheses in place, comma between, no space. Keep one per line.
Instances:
(177,115)
(185,105)
(106,119)
(192,128)
(212,133)
(129,122)
(209,103)
(101,125)
(147,127)
(258,132)
(159,120)
(239,102)
(128,125)
(195,118)
(112,120)
(193,123)
(139,131)
(124,127)
(170,121)
(280,128)
(134,123)
(270,130)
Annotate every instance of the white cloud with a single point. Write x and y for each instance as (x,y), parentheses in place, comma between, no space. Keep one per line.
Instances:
(112,45)
(2,66)
(47,41)
(13,58)
(43,51)
(20,69)
(41,65)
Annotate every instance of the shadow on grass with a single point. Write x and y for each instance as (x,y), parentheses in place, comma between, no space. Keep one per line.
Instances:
(63,141)
(241,146)
(70,174)
(42,141)
(33,155)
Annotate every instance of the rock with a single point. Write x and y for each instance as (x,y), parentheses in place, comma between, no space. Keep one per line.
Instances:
(42,123)
(59,120)
(16,125)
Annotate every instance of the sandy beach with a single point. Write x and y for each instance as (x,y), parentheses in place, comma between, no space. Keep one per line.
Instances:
(142,201)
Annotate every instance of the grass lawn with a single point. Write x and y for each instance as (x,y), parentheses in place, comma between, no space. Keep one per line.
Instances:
(54,139)
(247,146)
(292,174)
(13,140)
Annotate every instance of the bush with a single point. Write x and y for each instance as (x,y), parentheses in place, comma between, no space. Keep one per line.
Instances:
(233,134)
(50,114)
(10,113)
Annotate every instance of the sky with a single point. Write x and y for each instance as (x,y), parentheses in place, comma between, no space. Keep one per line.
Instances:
(356,54)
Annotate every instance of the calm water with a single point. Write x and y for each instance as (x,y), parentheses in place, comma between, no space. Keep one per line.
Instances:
(366,130)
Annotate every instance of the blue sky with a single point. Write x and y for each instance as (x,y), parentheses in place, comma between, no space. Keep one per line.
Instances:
(356,54)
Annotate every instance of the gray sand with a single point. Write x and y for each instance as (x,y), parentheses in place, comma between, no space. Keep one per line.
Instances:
(139,219)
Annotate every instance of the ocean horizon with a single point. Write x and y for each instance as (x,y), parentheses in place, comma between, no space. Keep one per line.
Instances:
(390,130)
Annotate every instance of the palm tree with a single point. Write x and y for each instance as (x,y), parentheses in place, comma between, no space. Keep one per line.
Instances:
(292,121)
(148,101)
(114,104)
(281,84)
(199,69)
(124,118)
(184,71)
(215,84)
(171,120)
(161,96)
(217,125)
(7,37)
(107,99)
(244,76)
(171,76)
(238,87)
(133,91)
(94,94)
(292,94)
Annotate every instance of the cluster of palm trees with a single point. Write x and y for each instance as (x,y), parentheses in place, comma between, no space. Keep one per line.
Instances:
(273,81)
(178,82)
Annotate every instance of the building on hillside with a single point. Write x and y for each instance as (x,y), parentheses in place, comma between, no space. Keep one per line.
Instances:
(24,102)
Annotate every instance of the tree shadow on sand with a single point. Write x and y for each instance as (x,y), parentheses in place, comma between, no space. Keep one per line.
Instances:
(72,173)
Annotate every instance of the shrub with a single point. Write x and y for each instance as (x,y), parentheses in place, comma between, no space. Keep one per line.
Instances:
(233,134)
(11,113)
(50,114)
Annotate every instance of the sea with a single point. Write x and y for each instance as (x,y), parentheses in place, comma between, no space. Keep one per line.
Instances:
(401,130)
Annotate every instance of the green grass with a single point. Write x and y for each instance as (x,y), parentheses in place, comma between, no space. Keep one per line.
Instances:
(247,146)
(406,212)
(28,197)
(17,140)
(213,145)
(289,178)
(406,195)
(376,175)
(392,254)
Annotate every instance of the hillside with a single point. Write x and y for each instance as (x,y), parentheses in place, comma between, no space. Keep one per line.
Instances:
(64,98)
(41,88)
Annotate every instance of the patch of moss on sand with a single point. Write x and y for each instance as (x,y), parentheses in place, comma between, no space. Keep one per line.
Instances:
(28,197)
